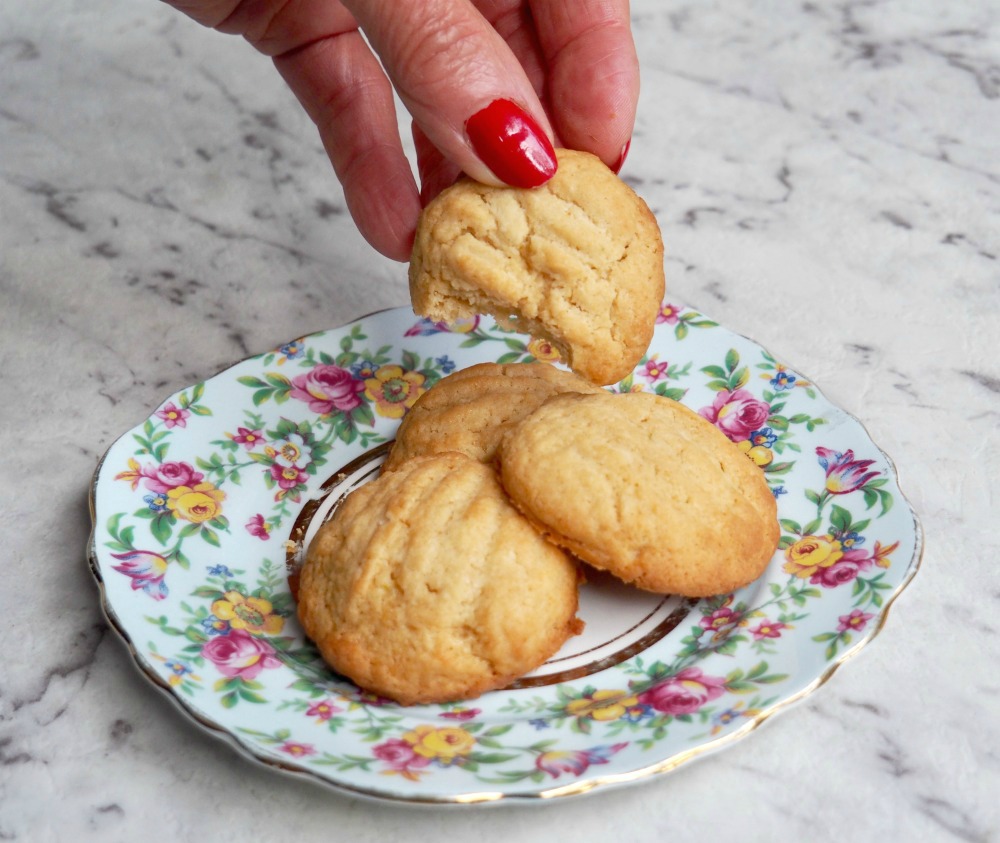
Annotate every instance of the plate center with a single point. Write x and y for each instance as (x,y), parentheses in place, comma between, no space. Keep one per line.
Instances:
(621,621)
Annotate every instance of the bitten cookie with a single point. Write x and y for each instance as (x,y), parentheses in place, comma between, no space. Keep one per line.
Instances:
(469,410)
(427,585)
(642,487)
(577,262)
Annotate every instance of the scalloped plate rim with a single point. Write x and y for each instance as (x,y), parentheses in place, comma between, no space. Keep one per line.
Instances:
(583,786)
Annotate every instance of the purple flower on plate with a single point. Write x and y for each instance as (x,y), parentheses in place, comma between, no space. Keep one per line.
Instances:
(844,474)
(146,569)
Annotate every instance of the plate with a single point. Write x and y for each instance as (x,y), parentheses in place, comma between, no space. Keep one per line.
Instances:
(202,511)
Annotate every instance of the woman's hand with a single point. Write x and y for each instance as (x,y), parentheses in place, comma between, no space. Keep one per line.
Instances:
(491,85)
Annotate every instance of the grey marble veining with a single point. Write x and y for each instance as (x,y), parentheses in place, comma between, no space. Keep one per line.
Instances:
(827,178)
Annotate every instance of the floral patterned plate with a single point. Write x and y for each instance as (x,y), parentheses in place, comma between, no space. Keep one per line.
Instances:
(202,511)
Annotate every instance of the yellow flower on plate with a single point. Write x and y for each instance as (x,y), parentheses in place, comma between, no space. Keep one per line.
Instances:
(441,744)
(196,504)
(253,614)
(543,350)
(759,454)
(811,553)
(394,390)
(602,705)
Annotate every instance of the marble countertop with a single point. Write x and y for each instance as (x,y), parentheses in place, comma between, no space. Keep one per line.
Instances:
(827,179)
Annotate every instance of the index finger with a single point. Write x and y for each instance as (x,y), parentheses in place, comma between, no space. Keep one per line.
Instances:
(463,86)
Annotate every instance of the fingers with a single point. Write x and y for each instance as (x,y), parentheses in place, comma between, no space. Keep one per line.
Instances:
(206,12)
(475,100)
(593,73)
(436,172)
(463,86)
(513,22)
(342,87)
(317,48)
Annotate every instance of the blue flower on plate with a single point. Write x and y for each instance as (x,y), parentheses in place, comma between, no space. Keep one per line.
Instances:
(214,626)
(445,363)
(364,369)
(293,350)
(157,503)
(782,380)
(764,437)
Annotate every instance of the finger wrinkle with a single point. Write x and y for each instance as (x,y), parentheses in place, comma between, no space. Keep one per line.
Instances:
(432,57)
(293,51)
(368,164)
(609,31)
(280,27)
(352,102)
(507,18)
(212,14)
(251,18)
(342,77)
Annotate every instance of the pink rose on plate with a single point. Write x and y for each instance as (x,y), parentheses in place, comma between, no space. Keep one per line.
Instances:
(684,692)
(240,654)
(461,714)
(737,414)
(327,389)
(258,527)
(844,570)
(170,475)
(399,755)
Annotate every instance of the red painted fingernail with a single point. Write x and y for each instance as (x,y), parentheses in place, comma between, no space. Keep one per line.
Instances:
(511,144)
(621,158)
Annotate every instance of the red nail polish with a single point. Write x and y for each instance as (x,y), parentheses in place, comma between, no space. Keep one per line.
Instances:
(621,158)
(511,144)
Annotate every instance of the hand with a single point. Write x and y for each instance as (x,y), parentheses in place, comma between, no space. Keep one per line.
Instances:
(490,85)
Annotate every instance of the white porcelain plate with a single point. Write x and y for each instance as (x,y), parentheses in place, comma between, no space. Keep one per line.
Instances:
(202,511)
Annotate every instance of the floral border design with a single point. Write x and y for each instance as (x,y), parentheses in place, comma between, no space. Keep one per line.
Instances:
(266,431)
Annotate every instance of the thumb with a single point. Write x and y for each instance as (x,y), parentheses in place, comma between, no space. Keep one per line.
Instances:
(463,87)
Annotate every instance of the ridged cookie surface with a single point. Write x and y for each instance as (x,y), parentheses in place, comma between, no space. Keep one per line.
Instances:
(577,261)
(427,585)
(469,410)
(642,487)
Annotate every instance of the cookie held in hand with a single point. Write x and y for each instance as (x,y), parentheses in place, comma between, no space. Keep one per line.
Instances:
(644,488)
(427,585)
(577,262)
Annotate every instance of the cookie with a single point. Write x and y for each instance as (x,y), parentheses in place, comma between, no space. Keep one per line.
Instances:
(469,410)
(577,262)
(427,585)
(642,487)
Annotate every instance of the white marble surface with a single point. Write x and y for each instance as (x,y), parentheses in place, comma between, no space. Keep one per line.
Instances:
(827,177)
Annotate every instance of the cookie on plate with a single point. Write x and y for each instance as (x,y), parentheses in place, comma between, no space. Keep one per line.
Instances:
(642,487)
(469,410)
(427,585)
(577,262)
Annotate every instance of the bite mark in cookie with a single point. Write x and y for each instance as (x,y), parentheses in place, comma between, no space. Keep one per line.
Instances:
(577,262)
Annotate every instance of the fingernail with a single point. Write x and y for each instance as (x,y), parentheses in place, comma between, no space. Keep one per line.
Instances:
(511,144)
(621,158)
